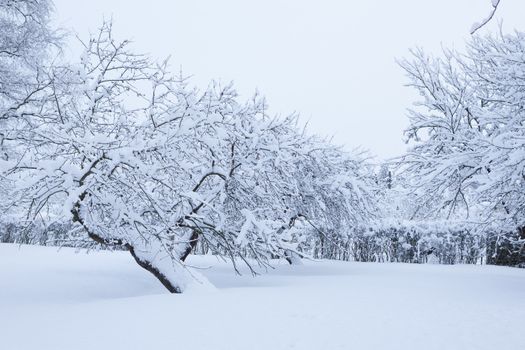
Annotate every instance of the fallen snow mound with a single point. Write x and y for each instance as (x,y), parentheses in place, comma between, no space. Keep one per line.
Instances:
(58,299)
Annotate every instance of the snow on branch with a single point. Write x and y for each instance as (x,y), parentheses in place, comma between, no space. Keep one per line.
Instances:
(478,25)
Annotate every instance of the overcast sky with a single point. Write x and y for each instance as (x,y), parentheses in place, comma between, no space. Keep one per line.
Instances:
(331,61)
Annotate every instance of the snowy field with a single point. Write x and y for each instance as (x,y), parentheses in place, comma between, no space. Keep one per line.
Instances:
(57,300)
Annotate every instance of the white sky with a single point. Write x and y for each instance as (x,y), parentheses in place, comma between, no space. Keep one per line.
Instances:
(332,61)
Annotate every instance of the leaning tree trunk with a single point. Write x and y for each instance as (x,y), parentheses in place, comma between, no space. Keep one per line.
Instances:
(293,258)
(148,266)
(142,261)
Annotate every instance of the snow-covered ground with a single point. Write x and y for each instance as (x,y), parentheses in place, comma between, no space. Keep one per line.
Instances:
(58,300)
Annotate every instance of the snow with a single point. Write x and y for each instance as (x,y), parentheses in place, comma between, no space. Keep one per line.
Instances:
(59,299)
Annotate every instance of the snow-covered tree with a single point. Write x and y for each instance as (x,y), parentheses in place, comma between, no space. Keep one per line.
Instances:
(145,163)
(26,38)
(468,153)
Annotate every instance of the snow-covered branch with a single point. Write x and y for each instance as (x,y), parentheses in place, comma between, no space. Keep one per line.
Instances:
(478,25)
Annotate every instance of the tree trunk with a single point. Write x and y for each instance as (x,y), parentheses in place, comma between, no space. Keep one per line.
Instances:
(192,243)
(145,264)
(148,266)
(293,258)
